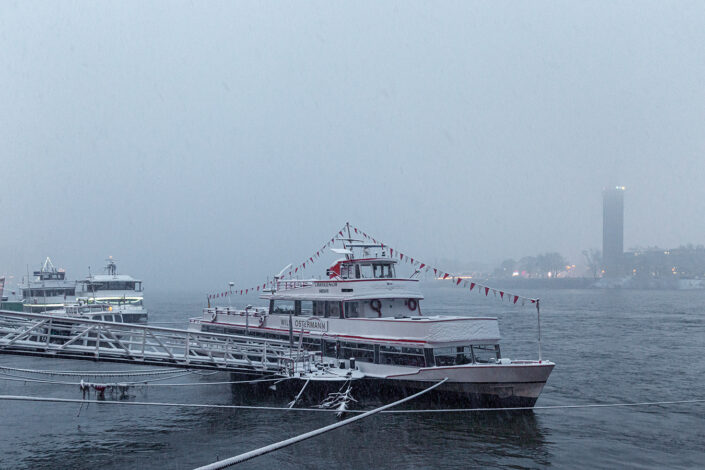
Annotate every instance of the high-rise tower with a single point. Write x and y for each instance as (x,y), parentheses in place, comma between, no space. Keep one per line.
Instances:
(613,230)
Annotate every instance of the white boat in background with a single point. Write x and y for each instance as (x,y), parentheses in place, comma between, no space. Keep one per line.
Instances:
(121,291)
(47,290)
(90,311)
(366,317)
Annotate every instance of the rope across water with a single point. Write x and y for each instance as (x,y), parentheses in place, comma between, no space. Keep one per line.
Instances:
(322,410)
(88,373)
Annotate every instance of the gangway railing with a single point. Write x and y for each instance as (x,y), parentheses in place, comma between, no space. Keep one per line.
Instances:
(80,338)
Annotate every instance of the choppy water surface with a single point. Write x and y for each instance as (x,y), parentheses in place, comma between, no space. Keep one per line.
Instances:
(609,346)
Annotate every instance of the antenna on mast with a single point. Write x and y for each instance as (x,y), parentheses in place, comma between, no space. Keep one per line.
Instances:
(347,226)
(281,273)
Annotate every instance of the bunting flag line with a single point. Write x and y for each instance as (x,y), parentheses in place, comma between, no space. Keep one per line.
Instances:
(293,270)
(512,298)
(437,273)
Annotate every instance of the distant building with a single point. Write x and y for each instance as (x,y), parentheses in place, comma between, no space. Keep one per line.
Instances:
(613,231)
(684,262)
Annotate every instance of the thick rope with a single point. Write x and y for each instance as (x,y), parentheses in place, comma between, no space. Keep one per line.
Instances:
(302,437)
(275,408)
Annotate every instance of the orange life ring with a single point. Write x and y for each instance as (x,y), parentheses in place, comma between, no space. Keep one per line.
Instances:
(412,304)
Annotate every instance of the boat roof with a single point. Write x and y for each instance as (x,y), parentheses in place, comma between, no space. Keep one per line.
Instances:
(368,260)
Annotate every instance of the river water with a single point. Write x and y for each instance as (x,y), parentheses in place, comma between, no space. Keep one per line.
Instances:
(609,346)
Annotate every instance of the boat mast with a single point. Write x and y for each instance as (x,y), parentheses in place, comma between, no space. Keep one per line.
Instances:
(538,318)
(347,226)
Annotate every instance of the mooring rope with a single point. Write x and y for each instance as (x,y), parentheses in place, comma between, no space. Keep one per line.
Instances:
(145,383)
(325,410)
(79,373)
(308,435)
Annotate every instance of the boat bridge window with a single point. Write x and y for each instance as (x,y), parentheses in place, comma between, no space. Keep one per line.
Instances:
(367,271)
(383,271)
(402,356)
(113,285)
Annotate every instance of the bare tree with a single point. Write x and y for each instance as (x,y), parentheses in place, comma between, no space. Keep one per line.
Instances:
(593,258)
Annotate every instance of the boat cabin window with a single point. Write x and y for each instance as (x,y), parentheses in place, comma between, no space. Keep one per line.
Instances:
(304,307)
(282,307)
(326,309)
(26,293)
(361,352)
(352,309)
(453,356)
(402,356)
(486,353)
(459,355)
(375,308)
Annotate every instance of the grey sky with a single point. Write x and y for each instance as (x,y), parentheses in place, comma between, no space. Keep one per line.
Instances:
(201,142)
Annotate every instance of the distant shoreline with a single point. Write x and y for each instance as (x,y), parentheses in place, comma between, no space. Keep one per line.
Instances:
(590,283)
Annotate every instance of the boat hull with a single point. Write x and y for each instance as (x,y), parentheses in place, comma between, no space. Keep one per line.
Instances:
(495,386)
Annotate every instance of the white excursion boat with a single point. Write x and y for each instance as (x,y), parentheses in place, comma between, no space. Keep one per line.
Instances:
(91,311)
(47,290)
(364,317)
(122,292)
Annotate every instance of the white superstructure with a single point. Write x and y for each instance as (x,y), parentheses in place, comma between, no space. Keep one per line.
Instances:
(121,291)
(47,289)
(367,317)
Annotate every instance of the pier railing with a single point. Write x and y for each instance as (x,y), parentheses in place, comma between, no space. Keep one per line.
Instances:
(79,338)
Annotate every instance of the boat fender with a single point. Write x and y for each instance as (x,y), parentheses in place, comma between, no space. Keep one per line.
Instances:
(412,304)
(376,305)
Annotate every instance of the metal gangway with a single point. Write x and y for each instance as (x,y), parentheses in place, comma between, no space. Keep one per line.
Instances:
(79,338)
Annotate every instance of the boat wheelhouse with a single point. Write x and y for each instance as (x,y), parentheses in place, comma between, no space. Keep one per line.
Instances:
(366,317)
(121,291)
(47,290)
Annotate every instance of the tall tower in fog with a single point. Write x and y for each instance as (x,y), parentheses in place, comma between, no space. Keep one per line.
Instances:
(612,230)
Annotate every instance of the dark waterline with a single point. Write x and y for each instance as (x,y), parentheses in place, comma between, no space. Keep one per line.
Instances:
(609,346)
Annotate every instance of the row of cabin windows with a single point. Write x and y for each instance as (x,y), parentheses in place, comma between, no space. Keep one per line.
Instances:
(388,354)
(356,309)
(48,292)
(113,285)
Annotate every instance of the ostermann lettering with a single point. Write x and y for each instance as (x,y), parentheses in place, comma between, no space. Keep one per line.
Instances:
(306,324)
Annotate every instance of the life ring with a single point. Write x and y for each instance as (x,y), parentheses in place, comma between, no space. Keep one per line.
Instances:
(412,304)
(376,305)
(261,320)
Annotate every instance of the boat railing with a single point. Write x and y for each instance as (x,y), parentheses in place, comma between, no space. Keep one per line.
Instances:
(253,312)
(289,285)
